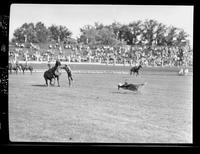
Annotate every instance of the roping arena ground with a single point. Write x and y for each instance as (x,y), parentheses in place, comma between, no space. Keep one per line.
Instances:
(94,111)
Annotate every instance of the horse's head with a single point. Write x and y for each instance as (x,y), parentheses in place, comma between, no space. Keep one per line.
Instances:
(58,63)
(140,66)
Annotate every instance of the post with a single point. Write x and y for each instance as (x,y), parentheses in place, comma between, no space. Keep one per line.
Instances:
(89,59)
(131,62)
(107,60)
(48,57)
(114,59)
(69,58)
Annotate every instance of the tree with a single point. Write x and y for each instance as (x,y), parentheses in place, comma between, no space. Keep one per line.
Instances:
(25,31)
(149,32)
(170,38)
(115,26)
(18,36)
(125,34)
(64,33)
(98,26)
(88,34)
(41,32)
(136,32)
(59,33)
(107,37)
(181,38)
(98,35)
(160,34)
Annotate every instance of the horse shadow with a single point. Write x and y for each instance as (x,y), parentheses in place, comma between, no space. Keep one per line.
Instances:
(127,92)
(39,85)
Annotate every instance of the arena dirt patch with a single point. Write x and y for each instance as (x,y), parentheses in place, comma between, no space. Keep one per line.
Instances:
(93,110)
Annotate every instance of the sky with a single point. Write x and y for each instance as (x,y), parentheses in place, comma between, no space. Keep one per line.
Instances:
(76,16)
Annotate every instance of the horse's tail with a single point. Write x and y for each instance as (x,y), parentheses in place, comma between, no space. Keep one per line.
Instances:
(45,75)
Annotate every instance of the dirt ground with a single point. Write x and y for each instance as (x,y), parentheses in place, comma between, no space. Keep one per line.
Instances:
(94,110)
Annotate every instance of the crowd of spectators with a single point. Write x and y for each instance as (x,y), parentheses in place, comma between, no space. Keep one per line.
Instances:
(133,55)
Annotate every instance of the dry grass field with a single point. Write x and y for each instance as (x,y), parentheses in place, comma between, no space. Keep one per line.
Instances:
(93,109)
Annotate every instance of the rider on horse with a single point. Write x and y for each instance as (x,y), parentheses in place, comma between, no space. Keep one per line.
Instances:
(135,69)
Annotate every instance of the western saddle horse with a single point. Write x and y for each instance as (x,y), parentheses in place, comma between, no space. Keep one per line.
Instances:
(135,69)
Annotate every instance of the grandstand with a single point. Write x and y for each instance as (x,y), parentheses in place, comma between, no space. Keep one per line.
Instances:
(133,55)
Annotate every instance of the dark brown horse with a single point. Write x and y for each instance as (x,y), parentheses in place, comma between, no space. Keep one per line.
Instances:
(135,69)
(53,73)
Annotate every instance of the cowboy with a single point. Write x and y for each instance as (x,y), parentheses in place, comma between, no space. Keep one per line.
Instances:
(69,73)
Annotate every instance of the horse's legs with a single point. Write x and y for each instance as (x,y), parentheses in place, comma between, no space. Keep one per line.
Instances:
(58,81)
(50,81)
(137,73)
(69,81)
(46,81)
(53,81)
(71,78)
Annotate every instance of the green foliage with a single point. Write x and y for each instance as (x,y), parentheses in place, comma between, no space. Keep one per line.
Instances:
(147,33)
(41,32)
(59,33)
(38,33)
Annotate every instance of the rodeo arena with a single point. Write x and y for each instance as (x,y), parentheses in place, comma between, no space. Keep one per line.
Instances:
(74,92)
(109,97)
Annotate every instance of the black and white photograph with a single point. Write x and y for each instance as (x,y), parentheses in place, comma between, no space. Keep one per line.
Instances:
(100,73)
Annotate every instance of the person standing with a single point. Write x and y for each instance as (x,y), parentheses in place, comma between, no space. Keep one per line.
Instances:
(69,73)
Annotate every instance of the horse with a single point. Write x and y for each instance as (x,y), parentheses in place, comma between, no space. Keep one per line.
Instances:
(52,73)
(135,69)
(14,67)
(26,67)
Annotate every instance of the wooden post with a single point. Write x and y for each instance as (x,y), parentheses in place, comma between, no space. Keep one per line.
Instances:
(48,57)
(107,60)
(131,62)
(89,59)
(100,60)
(69,58)
(114,61)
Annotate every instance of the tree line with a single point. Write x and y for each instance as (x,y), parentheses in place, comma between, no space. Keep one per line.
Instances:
(149,33)
(39,33)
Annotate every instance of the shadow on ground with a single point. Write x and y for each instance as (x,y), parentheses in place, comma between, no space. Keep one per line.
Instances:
(127,92)
(39,85)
